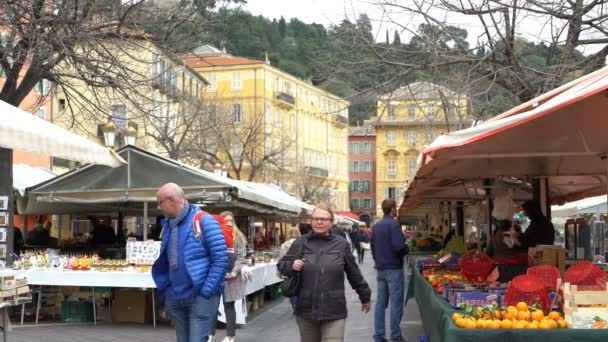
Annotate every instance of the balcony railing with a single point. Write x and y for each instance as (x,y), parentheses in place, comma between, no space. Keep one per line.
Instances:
(285,99)
(341,119)
(316,171)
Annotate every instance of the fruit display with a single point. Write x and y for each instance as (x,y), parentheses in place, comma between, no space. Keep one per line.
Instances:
(520,316)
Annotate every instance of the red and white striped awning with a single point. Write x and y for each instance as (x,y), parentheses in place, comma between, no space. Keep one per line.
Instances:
(20,130)
(561,135)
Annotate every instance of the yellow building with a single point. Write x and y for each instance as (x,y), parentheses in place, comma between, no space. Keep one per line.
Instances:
(152,98)
(306,126)
(408,119)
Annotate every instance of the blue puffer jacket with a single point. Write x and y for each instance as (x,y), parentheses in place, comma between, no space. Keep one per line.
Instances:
(206,260)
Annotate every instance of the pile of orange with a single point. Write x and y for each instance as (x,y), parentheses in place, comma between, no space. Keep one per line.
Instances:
(514,317)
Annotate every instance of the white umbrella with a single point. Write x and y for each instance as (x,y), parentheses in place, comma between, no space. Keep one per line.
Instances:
(20,130)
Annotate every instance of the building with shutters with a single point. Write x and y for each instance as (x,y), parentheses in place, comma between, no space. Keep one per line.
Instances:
(310,122)
(408,119)
(362,169)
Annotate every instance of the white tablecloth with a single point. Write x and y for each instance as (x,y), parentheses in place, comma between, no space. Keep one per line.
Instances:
(263,275)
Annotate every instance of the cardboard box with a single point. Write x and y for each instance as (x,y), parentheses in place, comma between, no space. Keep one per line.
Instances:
(131,306)
(480,298)
(7,283)
(550,255)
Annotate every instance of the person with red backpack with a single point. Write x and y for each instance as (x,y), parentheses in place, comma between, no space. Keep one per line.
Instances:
(190,269)
(236,286)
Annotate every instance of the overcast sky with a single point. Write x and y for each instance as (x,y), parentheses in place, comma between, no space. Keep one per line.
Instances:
(328,12)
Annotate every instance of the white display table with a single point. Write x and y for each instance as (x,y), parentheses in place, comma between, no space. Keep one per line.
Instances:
(262,275)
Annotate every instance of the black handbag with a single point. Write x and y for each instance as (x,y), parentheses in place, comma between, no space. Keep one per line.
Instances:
(291,286)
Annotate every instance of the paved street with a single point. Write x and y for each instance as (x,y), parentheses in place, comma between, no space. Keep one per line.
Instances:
(274,323)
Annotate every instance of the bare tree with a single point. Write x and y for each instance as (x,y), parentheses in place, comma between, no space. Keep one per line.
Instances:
(524,47)
(245,146)
(69,42)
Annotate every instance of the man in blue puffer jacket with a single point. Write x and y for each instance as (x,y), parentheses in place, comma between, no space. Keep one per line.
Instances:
(189,272)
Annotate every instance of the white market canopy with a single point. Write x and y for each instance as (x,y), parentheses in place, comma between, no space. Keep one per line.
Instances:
(20,130)
(25,176)
(589,205)
(93,188)
(560,135)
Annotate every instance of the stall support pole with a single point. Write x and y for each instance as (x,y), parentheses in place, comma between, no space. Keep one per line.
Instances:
(6,189)
(540,188)
(94,308)
(145,221)
(153,309)
(460,218)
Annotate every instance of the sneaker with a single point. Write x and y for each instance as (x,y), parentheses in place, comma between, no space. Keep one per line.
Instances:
(228,339)
(211,338)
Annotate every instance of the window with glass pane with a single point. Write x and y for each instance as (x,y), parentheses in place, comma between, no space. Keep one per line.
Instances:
(391,138)
(391,193)
(430,112)
(411,136)
(391,112)
(367,203)
(236,80)
(237,113)
(41,113)
(412,166)
(411,112)
(119,116)
(392,167)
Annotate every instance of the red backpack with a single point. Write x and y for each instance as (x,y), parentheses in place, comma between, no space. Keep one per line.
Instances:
(226,229)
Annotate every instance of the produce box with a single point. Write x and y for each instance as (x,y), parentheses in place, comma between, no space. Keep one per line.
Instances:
(585,309)
(76,312)
(459,297)
(7,283)
(131,306)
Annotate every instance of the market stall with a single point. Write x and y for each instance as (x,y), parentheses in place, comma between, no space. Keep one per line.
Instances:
(436,314)
(551,149)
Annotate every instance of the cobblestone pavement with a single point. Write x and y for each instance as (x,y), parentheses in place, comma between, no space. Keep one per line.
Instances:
(274,323)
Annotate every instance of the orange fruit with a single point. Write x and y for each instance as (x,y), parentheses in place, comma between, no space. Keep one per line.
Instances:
(493,325)
(532,325)
(544,325)
(508,315)
(522,306)
(552,323)
(562,323)
(537,315)
(480,324)
(456,316)
(523,315)
(506,324)
(511,308)
(498,314)
(461,322)
(554,315)
(470,324)
(521,324)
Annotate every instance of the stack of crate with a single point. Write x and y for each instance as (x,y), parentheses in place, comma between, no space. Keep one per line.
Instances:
(585,309)
(14,290)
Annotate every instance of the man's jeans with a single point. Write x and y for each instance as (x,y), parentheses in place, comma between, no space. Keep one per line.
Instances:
(193,317)
(390,285)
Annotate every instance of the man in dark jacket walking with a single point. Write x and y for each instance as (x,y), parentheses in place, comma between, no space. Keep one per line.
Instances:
(388,250)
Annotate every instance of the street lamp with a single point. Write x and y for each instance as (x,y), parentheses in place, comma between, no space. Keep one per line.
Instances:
(130,135)
(109,133)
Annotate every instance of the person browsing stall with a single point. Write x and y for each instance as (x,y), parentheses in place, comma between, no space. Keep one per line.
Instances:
(189,272)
